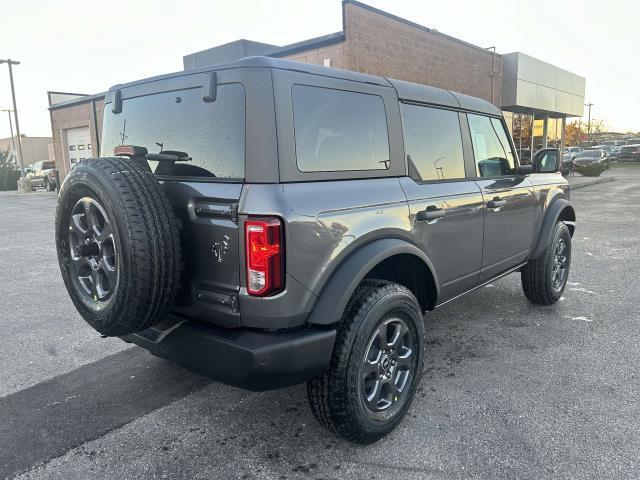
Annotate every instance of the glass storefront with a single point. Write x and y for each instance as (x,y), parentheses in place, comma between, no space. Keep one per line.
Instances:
(526,130)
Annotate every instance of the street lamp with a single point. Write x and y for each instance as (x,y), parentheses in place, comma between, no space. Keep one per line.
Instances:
(13,140)
(589,122)
(15,110)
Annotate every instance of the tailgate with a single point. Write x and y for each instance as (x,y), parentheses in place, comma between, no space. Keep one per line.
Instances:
(210,249)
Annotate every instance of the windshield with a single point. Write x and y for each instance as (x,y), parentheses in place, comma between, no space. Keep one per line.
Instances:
(633,141)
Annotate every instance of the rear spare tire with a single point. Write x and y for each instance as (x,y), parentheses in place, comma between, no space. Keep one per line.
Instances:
(118,245)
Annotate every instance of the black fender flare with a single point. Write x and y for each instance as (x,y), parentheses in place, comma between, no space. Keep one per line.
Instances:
(344,280)
(559,207)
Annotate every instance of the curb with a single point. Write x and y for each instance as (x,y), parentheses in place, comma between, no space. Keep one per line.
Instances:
(592,182)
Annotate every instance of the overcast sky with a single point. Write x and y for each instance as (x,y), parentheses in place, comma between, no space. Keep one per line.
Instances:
(86,46)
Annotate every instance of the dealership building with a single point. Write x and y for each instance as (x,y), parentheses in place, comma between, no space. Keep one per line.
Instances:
(535,96)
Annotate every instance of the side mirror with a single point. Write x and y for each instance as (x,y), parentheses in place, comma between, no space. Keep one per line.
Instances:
(525,169)
(546,160)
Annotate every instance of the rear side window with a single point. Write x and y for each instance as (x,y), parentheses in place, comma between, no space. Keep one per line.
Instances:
(433,142)
(492,160)
(212,134)
(337,130)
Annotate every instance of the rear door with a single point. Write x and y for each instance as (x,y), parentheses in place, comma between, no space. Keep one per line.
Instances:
(445,204)
(181,114)
(509,197)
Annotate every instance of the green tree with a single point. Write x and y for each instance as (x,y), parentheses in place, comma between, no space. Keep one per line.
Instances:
(8,173)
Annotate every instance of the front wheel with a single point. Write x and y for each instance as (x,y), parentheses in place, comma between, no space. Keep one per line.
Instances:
(376,365)
(544,279)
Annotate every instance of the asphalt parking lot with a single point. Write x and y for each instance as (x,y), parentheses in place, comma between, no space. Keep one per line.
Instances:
(510,390)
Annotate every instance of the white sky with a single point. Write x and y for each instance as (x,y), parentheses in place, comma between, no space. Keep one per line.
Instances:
(86,46)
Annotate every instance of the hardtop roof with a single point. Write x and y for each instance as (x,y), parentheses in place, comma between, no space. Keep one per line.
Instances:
(406,90)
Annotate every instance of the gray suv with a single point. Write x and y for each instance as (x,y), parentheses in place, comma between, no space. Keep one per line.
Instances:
(268,223)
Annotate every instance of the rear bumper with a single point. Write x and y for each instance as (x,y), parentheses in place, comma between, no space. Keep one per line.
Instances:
(249,359)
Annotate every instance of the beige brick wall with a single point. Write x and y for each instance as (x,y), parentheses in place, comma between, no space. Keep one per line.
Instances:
(338,55)
(380,45)
(74,116)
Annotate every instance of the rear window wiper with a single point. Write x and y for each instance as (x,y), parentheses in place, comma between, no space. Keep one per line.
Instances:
(168,156)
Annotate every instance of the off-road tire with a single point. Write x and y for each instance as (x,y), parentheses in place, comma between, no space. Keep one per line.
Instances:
(334,396)
(146,240)
(537,275)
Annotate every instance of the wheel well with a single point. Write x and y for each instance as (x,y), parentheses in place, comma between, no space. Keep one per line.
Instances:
(568,215)
(410,271)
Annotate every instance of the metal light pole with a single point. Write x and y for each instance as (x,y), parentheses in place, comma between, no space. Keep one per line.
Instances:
(13,140)
(589,123)
(15,111)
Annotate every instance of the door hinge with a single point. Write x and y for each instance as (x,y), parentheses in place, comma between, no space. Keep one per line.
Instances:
(233,212)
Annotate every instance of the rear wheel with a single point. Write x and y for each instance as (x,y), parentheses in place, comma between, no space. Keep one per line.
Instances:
(376,365)
(118,245)
(544,279)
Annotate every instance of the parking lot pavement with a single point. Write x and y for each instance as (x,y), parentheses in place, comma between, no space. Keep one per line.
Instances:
(509,390)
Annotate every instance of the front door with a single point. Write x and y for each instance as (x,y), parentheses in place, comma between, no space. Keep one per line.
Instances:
(509,197)
(445,204)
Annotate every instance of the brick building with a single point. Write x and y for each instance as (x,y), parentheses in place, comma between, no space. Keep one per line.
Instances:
(535,96)
(76,127)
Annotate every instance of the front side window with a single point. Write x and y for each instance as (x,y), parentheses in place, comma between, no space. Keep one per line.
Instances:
(433,142)
(492,159)
(211,133)
(337,130)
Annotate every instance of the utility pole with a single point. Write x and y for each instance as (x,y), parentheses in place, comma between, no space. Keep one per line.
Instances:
(13,140)
(15,111)
(589,123)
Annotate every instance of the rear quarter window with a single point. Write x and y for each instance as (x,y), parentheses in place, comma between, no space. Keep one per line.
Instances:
(339,130)
(211,133)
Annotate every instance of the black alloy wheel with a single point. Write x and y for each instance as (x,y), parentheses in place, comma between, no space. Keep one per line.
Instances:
(92,249)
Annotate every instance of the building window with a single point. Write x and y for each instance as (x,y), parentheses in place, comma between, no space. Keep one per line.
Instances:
(433,142)
(81,147)
(72,147)
(337,130)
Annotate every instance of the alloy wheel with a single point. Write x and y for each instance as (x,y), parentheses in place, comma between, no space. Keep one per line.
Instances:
(94,261)
(388,365)
(559,267)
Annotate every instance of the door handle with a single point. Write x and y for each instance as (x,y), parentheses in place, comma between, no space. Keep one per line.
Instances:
(496,203)
(430,214)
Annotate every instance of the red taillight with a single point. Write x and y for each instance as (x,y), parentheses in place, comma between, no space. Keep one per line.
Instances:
(264,256)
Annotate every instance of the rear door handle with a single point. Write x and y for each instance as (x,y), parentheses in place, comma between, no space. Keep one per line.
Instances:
(496,203)
(430,214)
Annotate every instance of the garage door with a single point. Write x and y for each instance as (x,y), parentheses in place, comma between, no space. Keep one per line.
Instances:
(78,145)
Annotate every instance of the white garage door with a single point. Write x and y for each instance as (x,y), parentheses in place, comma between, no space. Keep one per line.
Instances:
(78,145)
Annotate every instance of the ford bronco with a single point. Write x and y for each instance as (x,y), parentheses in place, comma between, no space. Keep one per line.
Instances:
(268,223)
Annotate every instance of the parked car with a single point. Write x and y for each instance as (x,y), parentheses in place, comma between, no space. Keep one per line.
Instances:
(588,157)
(609,150)
(631,150)
(39,175)
(298,221)
(615,145)
(571,152)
